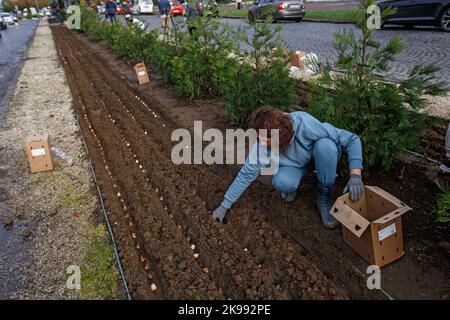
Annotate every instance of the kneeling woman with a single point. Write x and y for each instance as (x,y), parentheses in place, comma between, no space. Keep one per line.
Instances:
(302,139)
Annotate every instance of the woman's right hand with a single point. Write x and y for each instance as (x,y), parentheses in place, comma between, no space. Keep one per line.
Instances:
(219,214)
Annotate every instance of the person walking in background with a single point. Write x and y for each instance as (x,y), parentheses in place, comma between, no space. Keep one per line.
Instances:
(239,4)
(110,10)
(191,13)
(164,7)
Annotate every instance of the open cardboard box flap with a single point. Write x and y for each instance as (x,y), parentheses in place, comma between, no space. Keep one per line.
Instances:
(392,215)
(387,196)
(402,207)
(352,220)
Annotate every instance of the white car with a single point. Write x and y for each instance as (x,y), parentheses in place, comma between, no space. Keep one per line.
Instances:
(143,7)
(33,12)
(8,18)
(101,9)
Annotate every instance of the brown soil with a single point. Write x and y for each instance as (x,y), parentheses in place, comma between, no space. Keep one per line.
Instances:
(267,249)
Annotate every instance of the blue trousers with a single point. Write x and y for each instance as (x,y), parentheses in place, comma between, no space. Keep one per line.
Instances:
(326,156)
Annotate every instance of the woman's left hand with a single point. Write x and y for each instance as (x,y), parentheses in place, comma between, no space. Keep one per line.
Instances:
(355,187)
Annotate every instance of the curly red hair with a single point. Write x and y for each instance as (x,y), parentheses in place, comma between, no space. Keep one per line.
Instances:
(270,118)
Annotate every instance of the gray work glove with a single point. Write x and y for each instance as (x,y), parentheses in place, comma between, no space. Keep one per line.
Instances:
(355,187)
(219,214)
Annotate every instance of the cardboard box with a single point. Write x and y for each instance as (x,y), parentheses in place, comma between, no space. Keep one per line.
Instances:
(141,73)
(39,154)
(372,226)
(298,59)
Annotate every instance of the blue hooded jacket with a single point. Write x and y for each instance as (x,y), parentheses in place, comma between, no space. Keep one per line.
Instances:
(307,130)
(164,6)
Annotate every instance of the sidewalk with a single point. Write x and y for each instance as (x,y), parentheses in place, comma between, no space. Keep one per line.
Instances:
(52,213)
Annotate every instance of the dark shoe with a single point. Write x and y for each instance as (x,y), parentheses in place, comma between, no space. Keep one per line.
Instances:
(324,205)
(288,197)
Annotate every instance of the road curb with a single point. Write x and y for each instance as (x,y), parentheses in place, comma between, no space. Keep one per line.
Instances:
(303,20)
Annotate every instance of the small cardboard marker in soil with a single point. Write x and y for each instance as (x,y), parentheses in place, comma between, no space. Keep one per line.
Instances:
(141,73)
(298,59)
(39,153)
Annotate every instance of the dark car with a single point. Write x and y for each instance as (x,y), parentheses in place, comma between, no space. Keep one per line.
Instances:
(418,12)
(278,9)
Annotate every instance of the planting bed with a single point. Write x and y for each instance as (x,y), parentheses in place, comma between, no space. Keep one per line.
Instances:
(168,243)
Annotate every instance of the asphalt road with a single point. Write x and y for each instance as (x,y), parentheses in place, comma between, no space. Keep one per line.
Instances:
(13,49)
(423,45)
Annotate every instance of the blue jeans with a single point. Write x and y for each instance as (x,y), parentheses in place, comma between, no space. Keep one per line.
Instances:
(326,156)
(111,17)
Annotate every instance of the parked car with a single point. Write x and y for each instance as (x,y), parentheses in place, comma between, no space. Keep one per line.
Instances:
(33,12)
(14,15)
(7,17)
(47,12)
(101,9)
(128,8)
(176,9)
(143,7)
(3,24)
(418,12)
(120,9)
(278,9)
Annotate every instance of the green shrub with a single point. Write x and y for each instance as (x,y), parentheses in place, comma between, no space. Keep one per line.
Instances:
(261,77)
(443,204)
(385,115)
(202,64)
(200,59)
